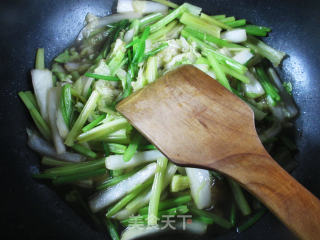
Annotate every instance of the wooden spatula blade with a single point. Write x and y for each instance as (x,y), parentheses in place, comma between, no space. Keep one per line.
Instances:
(218,122)
(195,121)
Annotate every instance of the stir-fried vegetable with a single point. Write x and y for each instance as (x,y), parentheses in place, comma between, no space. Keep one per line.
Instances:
(86,143)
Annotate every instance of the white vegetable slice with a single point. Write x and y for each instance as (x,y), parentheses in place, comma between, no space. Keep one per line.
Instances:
(200,185)
(42,147)
(115,162)
(53,101)
(112,194)
(61,125)
(143,199)
(243,56)
(291,108)
(42,82)
(236,35)
(125,6)
(104,21)
(253,89)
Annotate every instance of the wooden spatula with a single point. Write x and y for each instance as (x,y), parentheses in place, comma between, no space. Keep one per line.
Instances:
(195,121)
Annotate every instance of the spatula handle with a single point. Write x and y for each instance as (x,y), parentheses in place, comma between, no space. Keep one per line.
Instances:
(292,203)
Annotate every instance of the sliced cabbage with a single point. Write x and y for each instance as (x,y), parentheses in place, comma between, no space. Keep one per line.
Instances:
(200,185)
(142,7)
(253,89)
(235,35)
(53,106)
(42,83)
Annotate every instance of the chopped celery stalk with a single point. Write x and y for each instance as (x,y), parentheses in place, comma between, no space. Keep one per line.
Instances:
(133,42)
(168,19)
(162,32)
(259,47)
(221,77)
(228,19)
(214,21)
(220,57)
(227,61)
(83,150)
(252,220)
(151,71)
(200,185)
(119,205)
(229,71)
(219,17)
(113,181)
(144,198)
(149,147)
(170,203)
(32,98)
(179,183)
(79,177)
(156,191)
(36,116)
(66,103)
(149,19)
(117,148)
(112,230)
(42,83)
(72,169)
(105,198)
(237,23)
(51,162)
(270,90)
(102,130)
(40,59)
(119,136)
(167,3)
(139,53)
(239,198)
(156,50)
(53,106)
(183,209)
(94,123)
(233,213)
(115,162)
(210,39)
(102,77)
(256,30)
(132,148)
(116,173)
(216,219)
(81,120)
(197,23)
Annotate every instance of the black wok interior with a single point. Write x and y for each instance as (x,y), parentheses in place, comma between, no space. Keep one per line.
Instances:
(32,209)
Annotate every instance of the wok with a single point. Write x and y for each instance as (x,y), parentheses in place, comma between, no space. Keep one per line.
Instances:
(34,210)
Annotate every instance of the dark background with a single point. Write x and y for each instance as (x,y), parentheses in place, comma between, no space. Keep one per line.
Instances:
(31,209)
